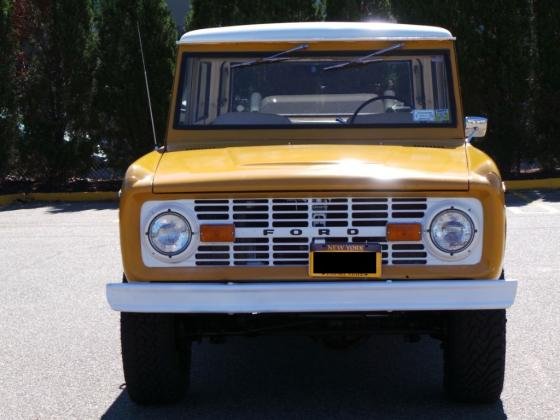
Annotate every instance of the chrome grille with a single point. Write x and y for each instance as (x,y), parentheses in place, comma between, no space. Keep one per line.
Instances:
(294,224)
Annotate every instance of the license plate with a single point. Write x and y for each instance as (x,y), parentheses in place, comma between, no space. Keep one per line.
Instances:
(345,260)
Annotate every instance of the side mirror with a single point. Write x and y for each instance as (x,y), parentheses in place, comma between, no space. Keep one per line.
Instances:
(475,127)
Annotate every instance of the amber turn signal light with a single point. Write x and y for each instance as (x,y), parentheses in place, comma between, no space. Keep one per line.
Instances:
(404,232)
(217,233)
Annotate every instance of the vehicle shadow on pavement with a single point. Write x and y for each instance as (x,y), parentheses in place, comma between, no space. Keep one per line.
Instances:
(67,207)
(296,377)
(524,197)
(62,207)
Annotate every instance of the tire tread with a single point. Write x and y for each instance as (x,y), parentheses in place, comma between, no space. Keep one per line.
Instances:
(474,355)
(155,363)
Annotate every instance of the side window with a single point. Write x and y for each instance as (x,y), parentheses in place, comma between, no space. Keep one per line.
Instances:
(439,77)
(184,105)
(419,92)
(203,91)
(223,101)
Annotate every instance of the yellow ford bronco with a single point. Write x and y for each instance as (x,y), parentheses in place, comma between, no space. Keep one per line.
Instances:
(316,179)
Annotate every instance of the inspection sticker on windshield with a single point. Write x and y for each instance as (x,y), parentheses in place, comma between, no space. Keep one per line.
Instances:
(442,115)
(424,115)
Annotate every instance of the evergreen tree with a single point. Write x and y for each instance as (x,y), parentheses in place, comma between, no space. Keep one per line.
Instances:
(47,63)
(547,104)
(494,64)
(124,130)
(7,70)
(55,86)
(210,13)
(356,10)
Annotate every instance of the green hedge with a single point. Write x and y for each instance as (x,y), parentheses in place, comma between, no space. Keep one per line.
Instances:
(72,89)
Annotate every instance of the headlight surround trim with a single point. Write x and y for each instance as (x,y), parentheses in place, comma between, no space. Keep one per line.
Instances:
(151,211)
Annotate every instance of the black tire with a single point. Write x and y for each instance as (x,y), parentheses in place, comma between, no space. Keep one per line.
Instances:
(474,355)
(156,358)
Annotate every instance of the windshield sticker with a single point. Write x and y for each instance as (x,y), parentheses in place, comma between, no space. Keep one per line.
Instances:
(442,115)
(424,115)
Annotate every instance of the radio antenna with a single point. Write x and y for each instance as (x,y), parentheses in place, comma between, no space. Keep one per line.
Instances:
(147,85)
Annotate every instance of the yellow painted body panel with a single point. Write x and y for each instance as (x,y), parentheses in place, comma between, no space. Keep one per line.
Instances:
(313,168)
(342,162)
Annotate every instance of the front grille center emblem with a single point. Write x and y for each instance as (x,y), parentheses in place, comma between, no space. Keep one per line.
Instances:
(319,219)
(319,215)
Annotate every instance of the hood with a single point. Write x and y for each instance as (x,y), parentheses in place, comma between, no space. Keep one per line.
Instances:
(312,168)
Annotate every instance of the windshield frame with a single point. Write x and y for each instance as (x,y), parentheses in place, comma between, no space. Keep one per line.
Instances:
(445,53)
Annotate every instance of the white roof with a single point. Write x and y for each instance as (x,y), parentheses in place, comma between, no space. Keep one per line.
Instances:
(316,31)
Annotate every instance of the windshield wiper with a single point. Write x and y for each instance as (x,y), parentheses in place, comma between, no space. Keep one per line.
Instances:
(365,59)
(271,59)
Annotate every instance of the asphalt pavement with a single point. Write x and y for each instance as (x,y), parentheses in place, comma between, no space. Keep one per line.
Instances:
(60,348)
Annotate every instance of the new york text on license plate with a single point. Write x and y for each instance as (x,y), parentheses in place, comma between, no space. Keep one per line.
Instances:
(345,260)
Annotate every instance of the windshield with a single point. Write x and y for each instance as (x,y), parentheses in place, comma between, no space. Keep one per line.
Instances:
(315,90)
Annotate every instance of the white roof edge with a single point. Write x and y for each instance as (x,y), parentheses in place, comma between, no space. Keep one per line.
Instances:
(316,31)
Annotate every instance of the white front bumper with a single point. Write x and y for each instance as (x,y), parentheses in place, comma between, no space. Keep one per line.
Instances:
(348,296)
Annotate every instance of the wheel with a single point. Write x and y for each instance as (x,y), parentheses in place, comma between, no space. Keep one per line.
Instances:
(156,357)
(474,355)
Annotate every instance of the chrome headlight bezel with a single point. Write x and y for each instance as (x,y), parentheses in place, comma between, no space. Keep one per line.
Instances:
(472,218)
(154,214)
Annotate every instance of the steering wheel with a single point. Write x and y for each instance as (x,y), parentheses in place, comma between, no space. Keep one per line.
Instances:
(369,101)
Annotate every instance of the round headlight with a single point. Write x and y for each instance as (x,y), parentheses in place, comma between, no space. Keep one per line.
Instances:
(452,231)
(169,233)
